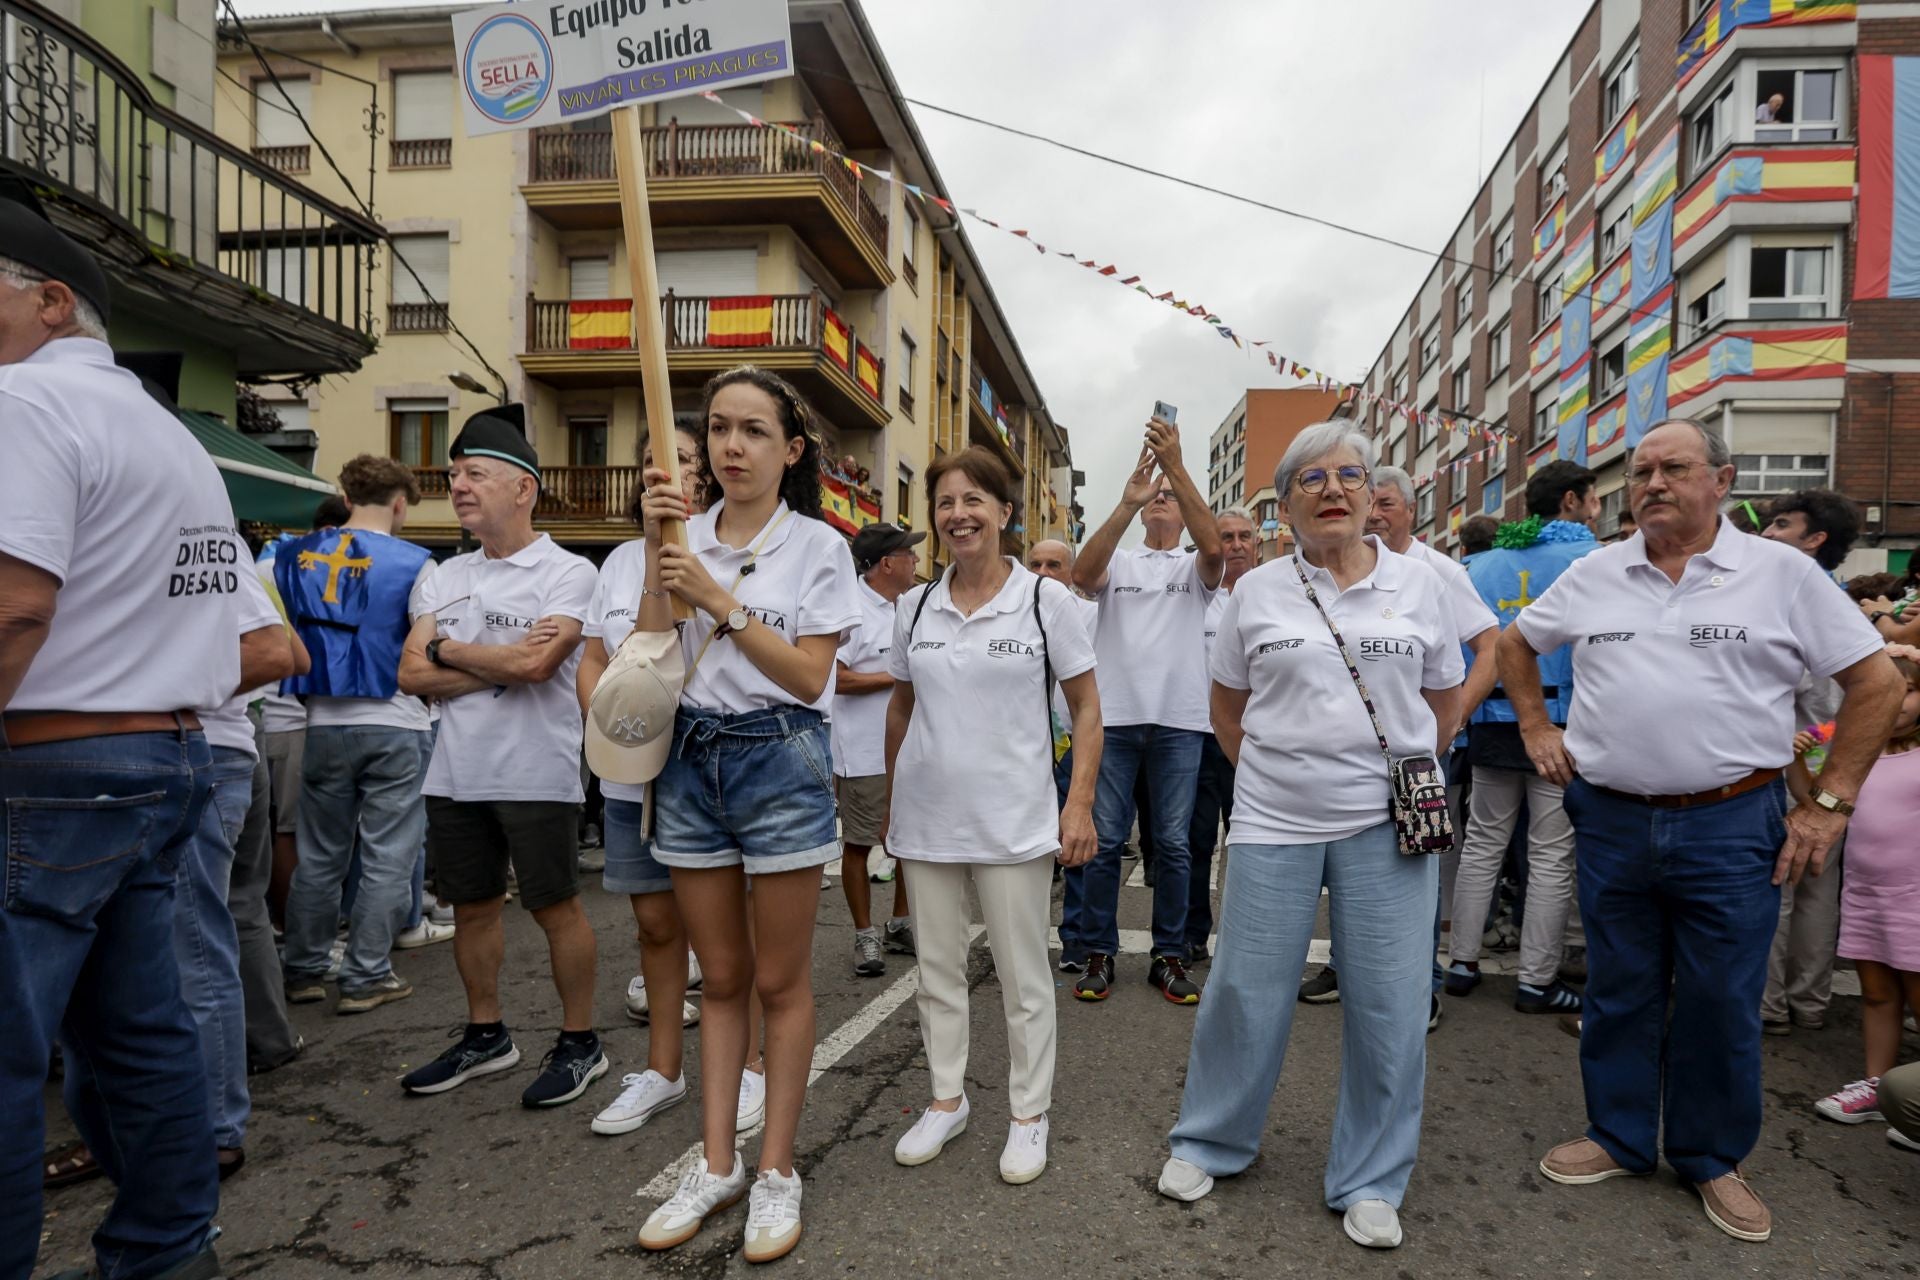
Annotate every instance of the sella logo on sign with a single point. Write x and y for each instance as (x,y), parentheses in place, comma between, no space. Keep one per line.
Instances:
(525,66)
(508,68)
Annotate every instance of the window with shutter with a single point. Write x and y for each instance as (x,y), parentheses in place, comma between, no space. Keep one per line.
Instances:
(422,119)
(588,278)
(419,295)
(274,123)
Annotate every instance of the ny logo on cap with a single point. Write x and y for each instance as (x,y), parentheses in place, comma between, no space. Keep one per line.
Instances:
(631,730)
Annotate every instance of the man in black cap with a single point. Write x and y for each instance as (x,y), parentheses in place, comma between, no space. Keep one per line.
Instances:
(883,555)
(120,582)
(496,639)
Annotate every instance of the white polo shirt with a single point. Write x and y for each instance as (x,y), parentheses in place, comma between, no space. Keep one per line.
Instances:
(974,778)
(1089,614)
(802,584)
(1310,767)
(1152,663)
(107,491)
(1680,688)
(226,725)
(279,712)
(401,711)
(1210,630)
(860,719)
(1470,613)
(523,742)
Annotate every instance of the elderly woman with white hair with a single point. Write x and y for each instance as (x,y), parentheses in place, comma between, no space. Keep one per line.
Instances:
(1328,663)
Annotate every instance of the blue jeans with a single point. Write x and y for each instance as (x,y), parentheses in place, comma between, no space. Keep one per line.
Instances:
(1212,804)
(748,787)
(98,833)
(1379,901)
(206,945)
(364,782)
(1090,913)
(1679,907)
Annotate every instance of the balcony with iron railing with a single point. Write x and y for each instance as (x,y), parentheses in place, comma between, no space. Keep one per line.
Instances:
(593,342)
(198,233)
(718,175)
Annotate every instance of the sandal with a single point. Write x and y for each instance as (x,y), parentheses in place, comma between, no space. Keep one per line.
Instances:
(65,1166)
(232,1159)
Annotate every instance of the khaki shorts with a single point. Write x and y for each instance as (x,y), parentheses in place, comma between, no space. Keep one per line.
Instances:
(286,754)
(863,808)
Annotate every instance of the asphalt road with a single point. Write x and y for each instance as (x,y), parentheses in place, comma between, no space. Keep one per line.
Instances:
(348,1177)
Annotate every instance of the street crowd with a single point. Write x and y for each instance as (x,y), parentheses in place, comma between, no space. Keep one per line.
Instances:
(241,777)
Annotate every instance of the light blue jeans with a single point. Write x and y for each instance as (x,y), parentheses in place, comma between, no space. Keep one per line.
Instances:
(1381,902)
(206,946)
(362,780)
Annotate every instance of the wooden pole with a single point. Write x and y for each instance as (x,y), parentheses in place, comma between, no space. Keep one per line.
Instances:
(636,219)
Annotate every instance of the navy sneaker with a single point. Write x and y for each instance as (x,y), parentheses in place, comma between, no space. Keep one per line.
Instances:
(475,1055)
(1556,997)
(569,1067)
(1461,980)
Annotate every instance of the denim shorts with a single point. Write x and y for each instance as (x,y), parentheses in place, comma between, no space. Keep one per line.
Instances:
(751,787)
(631,866)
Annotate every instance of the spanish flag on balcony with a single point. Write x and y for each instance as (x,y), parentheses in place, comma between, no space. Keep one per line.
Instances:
(836,505)
(599,324)
(838,340)
(740,322)
(867,372)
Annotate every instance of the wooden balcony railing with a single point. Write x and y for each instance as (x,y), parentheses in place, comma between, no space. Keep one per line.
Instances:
(793,322)
(586,493)
(420,153)
(676,151)
(417,317)
(285,159)
(431,481)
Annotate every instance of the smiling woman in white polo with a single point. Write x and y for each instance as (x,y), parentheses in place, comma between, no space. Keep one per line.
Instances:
(970,770)
(1311,808)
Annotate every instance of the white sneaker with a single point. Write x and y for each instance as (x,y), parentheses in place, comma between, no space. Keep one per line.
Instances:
(424,934)
(1373,1223)
(1899,1139)
(773,1216)
(1024,1158)
(700,1195)
(753,1101)
(645,1095)
(336,956)
(637,1004)
(1183,1181)
(931,1133)
(441,912)
(694,978)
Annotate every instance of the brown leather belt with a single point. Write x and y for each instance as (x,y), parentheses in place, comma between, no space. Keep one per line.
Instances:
(32,728)
(1752,782)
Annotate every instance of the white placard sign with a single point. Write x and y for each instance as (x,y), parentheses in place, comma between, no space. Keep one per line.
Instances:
(551,61)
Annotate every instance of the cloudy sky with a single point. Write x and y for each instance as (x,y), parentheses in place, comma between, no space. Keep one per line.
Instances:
(1380,115)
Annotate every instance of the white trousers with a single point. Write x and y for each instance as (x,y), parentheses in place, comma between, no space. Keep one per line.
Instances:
(1493,811)
(1014,899)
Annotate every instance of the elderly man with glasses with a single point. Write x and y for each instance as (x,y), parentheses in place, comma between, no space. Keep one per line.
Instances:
(1687,644)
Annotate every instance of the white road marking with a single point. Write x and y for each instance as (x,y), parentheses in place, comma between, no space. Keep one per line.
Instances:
(836,1046)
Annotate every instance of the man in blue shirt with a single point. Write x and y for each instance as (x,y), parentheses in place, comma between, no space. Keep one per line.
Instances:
(1526,558)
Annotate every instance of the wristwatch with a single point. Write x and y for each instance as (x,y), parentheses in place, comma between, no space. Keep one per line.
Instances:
(735,621)
(1878,614)
(433,651)
(1831,802)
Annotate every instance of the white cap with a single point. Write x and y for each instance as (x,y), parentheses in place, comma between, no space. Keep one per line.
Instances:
(630,719)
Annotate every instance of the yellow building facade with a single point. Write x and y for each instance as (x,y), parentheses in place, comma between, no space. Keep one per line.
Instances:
(872,303)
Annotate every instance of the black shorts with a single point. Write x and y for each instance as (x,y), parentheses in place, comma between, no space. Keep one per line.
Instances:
(472,841)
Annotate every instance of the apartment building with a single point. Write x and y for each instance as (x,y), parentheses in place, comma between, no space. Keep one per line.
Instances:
(870,302)
(1673,229)
(107,112)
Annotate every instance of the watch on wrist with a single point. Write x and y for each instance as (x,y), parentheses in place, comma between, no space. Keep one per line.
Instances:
(1878,614)
(736,621)
(1830,802)
(433,651)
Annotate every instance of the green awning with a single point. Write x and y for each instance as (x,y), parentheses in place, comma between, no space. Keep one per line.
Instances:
(264,487)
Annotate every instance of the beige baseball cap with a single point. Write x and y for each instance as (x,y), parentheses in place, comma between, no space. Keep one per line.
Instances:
(630,718)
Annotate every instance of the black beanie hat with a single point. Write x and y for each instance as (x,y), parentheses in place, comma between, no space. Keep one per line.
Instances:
(498,431)
(28,237)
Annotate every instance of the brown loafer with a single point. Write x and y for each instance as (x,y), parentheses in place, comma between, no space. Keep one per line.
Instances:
(1733,1207)
(1580,1162)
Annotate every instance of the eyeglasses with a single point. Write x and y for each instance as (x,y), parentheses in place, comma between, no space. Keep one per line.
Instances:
(1313,480)
(1674,472)
(1164,495)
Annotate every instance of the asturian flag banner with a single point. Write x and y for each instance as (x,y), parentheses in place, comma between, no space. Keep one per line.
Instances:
(526,65)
